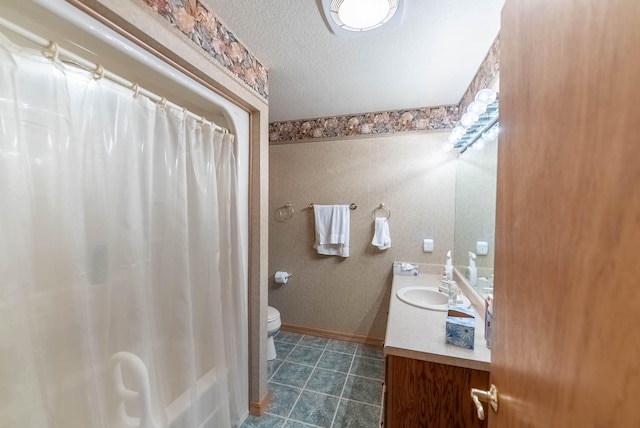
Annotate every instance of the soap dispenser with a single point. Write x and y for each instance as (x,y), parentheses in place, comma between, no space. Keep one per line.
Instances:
(472,272)
(448,267)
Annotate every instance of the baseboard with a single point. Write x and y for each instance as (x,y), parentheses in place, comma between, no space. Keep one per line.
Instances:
(330,334)
(258,409)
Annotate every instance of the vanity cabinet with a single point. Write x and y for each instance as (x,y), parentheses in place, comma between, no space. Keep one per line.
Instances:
(425,394)
(428,382)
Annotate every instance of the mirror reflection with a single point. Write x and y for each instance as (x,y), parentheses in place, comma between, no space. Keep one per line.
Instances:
(475,214)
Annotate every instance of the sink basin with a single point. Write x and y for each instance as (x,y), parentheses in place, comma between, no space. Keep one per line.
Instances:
(428,298)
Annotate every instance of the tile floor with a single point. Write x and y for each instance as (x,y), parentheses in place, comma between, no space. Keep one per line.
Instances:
(318,382)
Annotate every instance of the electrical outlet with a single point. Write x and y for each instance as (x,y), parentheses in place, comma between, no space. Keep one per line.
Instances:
(482,248)
(427,246)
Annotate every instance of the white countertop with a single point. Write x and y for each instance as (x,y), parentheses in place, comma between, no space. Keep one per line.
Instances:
(420,333)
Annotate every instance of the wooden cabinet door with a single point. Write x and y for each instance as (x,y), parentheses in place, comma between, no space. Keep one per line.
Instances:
(567,267)
(423,394)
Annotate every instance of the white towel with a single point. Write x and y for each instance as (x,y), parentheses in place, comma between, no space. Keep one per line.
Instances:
(381,237)
(332,230)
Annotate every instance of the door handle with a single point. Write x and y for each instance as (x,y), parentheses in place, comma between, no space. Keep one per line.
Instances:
(490,396)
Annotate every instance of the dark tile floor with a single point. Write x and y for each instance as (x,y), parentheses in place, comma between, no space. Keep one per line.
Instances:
(318,382)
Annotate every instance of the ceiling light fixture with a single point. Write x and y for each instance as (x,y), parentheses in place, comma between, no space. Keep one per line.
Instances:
(348,18)
(478,125)
(362,15)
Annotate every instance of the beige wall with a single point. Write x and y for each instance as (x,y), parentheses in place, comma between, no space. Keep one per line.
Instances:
(408,172)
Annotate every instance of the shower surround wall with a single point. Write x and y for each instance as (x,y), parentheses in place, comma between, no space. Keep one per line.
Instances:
(408,172)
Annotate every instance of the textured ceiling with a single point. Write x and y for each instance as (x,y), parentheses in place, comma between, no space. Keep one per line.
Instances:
(428,60)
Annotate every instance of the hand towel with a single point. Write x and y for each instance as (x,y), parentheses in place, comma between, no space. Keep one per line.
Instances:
(381,237)
(332,229)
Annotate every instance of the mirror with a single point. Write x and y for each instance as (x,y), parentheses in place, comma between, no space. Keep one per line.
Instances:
(475,211)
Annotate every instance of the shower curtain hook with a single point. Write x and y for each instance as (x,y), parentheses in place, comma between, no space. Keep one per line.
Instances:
(202,121)
(51,51)
(98,73)
(163,102)
(136,90)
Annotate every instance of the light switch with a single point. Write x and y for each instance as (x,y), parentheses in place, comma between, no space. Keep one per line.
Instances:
(482,248)
(427,246)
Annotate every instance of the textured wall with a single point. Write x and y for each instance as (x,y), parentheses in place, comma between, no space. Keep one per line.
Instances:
(408,172)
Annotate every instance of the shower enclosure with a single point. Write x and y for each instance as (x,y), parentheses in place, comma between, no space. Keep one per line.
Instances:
(122,247)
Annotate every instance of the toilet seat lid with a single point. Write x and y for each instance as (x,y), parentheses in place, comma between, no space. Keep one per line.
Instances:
(272,313)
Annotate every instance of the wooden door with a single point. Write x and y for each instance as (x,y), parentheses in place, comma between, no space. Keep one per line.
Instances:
(567,270)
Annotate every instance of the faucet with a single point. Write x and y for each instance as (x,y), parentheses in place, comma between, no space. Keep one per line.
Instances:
(445,285)
(450,288)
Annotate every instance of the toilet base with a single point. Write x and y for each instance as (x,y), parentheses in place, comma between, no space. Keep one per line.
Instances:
(271,349)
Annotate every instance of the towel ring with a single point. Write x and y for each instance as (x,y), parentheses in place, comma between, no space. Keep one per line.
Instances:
(384,208)
(285,213)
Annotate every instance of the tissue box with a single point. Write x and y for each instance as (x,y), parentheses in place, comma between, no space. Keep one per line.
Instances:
(461,326)
(399,268)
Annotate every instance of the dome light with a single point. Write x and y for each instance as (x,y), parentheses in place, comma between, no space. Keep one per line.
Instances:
(468,119)
(486,96)
(477,107)
(456,134)
(479,145)
(362,15)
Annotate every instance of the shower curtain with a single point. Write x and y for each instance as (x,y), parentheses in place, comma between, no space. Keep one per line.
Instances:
(118,235)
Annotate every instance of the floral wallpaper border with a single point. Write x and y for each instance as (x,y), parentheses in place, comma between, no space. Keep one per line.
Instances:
(388,122)
(204,29)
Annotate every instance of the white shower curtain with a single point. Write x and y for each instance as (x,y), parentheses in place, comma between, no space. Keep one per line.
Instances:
(118,234)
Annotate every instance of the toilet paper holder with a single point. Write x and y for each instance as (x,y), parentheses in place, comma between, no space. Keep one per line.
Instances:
(282,277)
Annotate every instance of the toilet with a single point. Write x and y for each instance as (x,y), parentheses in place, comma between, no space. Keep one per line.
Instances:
(273,326)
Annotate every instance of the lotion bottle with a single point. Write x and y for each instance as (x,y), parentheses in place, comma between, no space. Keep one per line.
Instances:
(488,320)
(472,271)
(448,267)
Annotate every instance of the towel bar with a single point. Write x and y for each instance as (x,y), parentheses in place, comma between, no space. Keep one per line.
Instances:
(352,206)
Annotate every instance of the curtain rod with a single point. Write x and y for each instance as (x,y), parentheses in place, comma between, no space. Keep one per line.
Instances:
(54,52)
